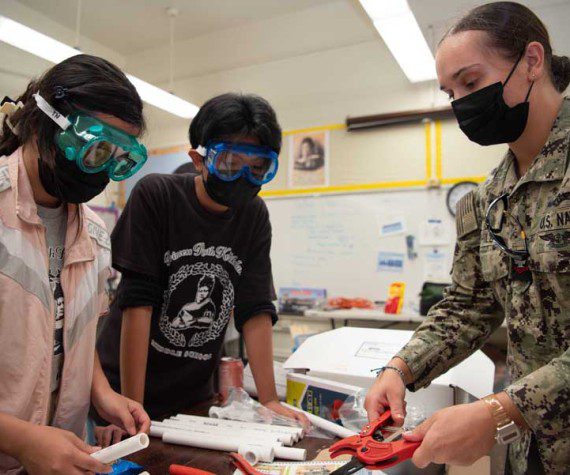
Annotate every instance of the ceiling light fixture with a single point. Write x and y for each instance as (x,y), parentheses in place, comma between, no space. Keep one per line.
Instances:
(399,29)
(38,44)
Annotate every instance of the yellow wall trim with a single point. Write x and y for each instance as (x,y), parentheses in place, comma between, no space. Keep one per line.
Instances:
(438,157)
(345,188)
(427,130)
(168,150)
(320,128)
(453,181)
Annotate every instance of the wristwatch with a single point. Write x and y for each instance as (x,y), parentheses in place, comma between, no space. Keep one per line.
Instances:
(507,430)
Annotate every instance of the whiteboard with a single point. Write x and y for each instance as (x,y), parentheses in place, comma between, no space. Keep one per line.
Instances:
(334,241)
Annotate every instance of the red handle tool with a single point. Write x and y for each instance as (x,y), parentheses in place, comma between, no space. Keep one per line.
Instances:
(184,470)
(371,450)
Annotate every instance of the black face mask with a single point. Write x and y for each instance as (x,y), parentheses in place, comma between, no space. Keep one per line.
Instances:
(233,194)
(68,183)
(485,117)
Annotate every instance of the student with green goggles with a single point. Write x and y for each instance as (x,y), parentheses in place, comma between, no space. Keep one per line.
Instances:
(94,145)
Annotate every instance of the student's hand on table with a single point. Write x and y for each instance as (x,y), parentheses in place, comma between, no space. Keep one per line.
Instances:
(121,411)
(457,435)
(50,451)
(387,392)
(276,406)
(108,435)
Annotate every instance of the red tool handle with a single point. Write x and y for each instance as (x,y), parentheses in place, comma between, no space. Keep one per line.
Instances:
(243,465)
(183,470)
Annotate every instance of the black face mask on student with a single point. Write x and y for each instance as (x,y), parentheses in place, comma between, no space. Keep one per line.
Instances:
(68,183)
(233,194)
(485,117)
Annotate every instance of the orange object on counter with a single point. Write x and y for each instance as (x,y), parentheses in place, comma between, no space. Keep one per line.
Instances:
(395,300)
(346,303)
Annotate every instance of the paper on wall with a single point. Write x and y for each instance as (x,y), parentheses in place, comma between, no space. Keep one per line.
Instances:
(435,268)
(391,226)
(434,232)
(390,262)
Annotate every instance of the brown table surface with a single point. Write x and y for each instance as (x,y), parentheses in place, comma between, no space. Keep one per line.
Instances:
(159,456)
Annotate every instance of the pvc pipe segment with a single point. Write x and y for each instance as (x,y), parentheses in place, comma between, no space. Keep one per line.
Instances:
(321,423)
(227,423)
(228,444)
(287,439)
(122,449)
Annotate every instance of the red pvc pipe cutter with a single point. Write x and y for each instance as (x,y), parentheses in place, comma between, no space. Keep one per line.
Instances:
(243,465)
(375,448)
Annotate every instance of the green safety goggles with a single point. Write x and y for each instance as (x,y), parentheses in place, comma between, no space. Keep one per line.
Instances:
(94,145)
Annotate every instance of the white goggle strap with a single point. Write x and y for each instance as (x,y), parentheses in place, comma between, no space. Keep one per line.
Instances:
(201,150)
(54,115)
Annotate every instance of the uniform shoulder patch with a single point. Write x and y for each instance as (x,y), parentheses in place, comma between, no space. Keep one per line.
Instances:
(466,216)
(99,233)
(5,182)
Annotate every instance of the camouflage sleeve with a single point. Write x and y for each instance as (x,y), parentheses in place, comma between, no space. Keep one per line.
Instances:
(459,324)
(543,398)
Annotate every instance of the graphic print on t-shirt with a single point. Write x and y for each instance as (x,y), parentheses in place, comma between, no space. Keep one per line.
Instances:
(192,324)
(201,312)
(56,257)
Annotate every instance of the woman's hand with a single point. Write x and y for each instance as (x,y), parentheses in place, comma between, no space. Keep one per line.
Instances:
(458,435)
(388,392)
(123,412)
(276,407)
(108,435)
(51,451)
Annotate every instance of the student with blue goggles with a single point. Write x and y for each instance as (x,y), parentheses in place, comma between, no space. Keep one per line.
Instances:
(194,253)
(236,170)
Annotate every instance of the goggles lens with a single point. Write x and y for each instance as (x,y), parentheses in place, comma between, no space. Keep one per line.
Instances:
(96,146)
(231,161)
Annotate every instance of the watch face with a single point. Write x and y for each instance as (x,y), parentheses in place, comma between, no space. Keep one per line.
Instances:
(457,192)
(508,434)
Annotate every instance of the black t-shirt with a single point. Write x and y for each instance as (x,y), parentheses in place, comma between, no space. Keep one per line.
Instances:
(195,268)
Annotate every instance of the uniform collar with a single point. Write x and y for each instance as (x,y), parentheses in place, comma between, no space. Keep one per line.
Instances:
(552,161)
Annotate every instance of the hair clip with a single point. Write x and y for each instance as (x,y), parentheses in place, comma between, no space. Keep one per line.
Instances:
(60,92)
(9,107)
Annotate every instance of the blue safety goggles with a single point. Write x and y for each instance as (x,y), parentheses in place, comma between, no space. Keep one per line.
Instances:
(230,161)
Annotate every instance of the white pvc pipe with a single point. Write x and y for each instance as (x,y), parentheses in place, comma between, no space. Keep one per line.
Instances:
(240,424)
(227,444)
(288,453)
(249,453)
(122,449)
(323,424)
(160,430)
(287,439)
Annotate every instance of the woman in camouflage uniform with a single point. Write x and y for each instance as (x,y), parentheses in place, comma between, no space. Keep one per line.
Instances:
(512,258)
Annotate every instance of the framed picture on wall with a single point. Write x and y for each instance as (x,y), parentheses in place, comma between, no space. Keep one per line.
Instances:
(309,159)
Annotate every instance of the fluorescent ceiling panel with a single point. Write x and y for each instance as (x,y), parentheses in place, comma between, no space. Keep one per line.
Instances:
(38,44)
(399,29)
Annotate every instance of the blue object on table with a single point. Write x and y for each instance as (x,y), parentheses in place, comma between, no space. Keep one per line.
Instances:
(124,467)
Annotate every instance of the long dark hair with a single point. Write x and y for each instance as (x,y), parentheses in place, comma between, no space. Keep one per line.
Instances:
(511,27)
(82,82)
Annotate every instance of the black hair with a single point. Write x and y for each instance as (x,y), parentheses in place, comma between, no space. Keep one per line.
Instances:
(511,27)
(230,116)
(82,82)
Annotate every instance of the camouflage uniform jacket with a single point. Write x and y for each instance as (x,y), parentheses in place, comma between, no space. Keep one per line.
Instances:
(538,314)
